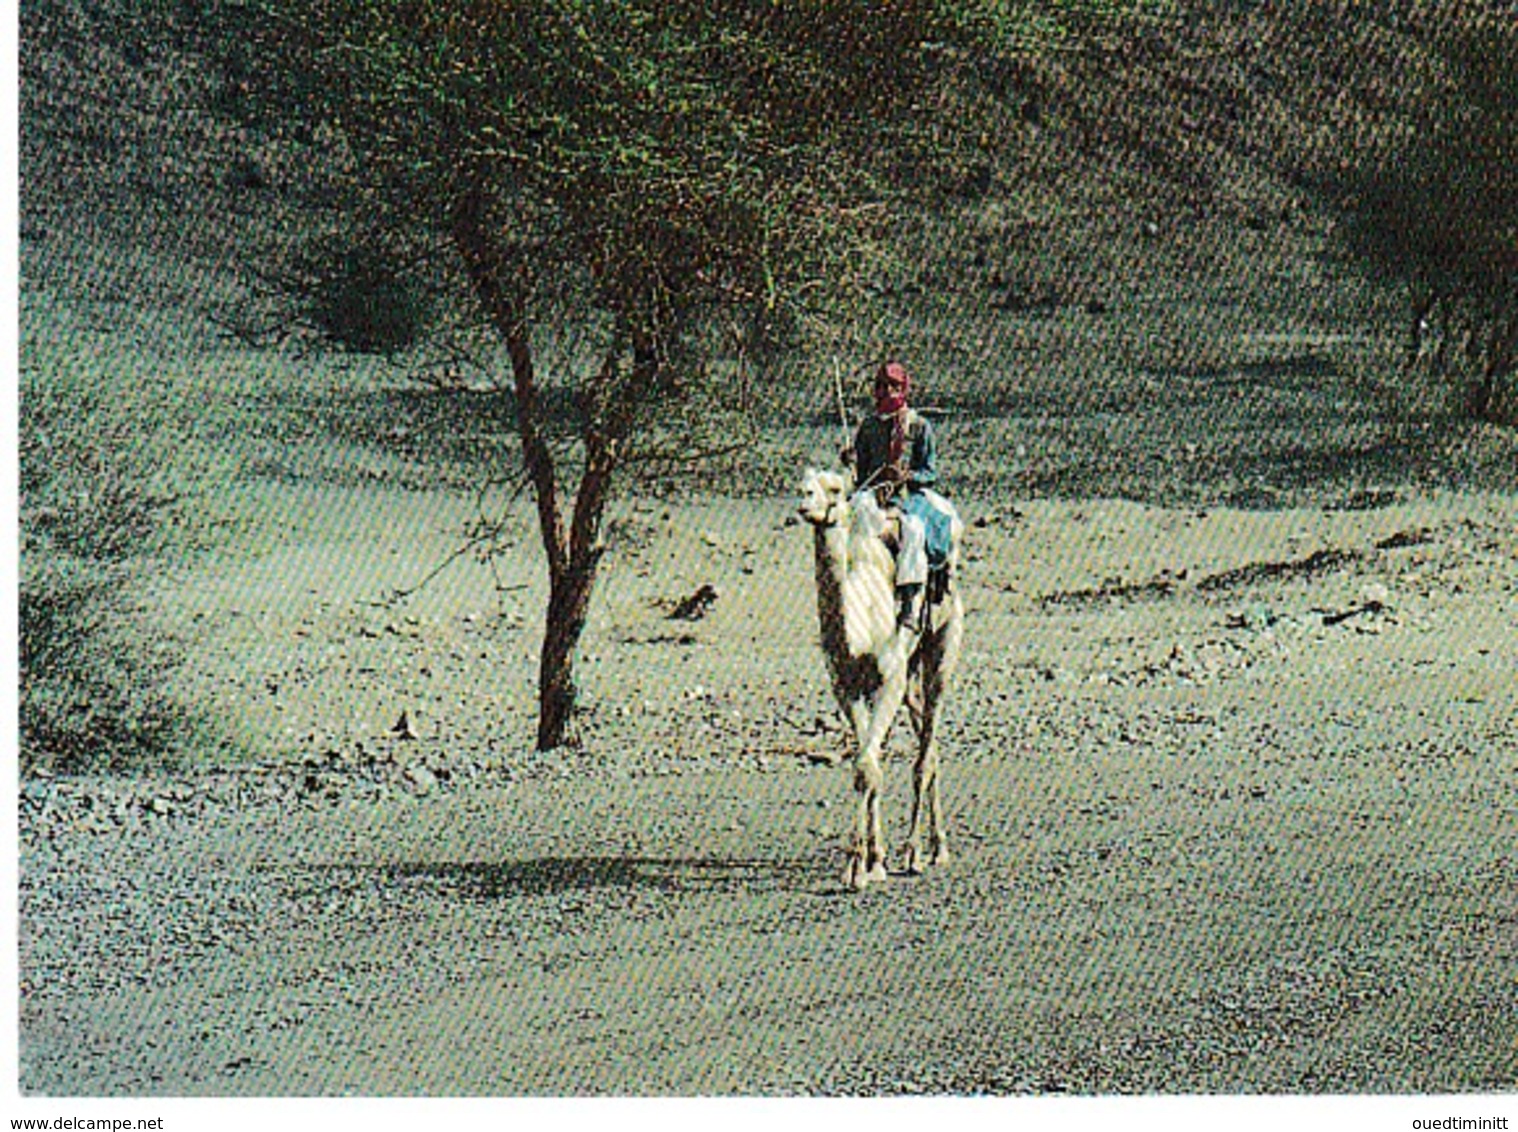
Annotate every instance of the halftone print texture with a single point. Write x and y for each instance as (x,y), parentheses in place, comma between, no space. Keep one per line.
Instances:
(1213,309)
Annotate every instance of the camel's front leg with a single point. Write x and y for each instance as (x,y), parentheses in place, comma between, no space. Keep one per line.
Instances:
(866,864)
(867,854)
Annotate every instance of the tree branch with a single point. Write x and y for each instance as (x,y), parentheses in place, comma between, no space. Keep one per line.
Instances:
(502,291)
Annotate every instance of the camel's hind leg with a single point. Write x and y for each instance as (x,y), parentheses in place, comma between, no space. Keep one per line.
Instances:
(927,807)
(926,797)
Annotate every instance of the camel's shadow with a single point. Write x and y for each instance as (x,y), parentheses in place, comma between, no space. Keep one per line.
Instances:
(549,876)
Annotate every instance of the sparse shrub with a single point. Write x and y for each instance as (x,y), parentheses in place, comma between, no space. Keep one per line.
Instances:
(94,496)
(89,695)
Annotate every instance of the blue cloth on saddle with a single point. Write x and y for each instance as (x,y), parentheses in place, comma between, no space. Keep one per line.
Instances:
(937,515)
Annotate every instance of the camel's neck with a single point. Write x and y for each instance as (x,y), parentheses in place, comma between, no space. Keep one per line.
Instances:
(855,597)
(832,546)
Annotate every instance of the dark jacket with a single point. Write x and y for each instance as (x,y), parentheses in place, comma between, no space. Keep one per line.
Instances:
(872,447)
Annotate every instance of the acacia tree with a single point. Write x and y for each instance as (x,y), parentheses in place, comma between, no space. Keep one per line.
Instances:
(673,159)
(1417,155)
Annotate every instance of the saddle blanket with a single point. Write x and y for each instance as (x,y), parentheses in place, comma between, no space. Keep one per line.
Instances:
(938,517)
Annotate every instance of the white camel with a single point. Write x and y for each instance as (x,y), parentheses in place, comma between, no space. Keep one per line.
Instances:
(876,663)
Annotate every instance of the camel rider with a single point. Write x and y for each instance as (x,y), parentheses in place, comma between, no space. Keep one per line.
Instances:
(894,456)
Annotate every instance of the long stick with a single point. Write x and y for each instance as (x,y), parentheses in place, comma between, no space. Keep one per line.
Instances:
(843,412)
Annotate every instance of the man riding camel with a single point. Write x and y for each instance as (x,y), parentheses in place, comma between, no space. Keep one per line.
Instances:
(893,455)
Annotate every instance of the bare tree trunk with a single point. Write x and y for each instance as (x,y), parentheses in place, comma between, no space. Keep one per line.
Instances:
(610,405)
(569,595)
(568,603)
(503,290)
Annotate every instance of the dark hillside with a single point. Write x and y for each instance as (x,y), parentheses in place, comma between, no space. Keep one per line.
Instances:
(1143,237)
(128,179)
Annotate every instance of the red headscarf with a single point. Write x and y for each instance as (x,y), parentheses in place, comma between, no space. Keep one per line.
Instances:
(892,400)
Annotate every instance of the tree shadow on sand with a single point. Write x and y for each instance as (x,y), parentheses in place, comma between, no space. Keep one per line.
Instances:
(550,876)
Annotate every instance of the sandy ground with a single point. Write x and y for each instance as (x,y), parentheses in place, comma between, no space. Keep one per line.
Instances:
(1231,798)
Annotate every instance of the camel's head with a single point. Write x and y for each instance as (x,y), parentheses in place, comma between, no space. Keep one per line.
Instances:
(824,498)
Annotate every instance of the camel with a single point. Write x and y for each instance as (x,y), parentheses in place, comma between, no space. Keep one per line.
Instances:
(877,664)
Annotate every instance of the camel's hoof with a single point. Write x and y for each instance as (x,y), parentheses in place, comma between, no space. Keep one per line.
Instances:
(855,876)
(916,865)
(858,878)
(914,860)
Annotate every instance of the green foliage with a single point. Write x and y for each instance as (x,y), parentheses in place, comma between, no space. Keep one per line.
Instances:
(1435,195)
(681,155)
(1397,120)
(89,695)
(93,503)
(1042,25)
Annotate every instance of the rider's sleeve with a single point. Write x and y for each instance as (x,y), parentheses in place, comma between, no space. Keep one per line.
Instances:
(924,469)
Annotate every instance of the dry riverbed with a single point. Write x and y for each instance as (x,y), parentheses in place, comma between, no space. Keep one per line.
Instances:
(1231,798)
